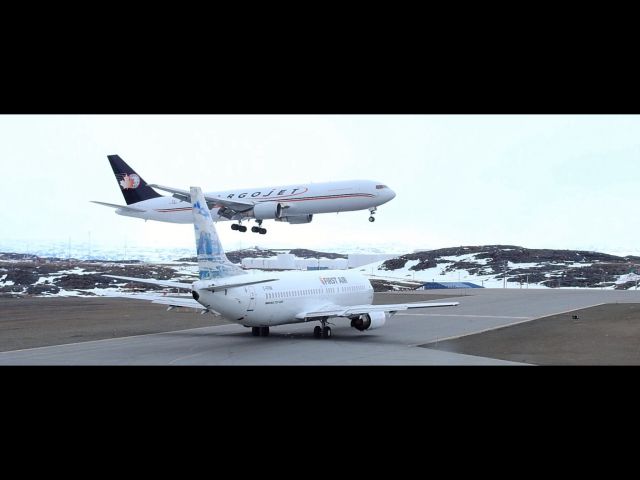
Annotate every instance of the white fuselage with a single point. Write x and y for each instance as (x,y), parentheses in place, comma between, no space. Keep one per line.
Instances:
(278,302)
(295,200)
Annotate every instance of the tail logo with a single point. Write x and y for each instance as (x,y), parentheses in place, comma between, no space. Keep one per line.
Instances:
(129,181)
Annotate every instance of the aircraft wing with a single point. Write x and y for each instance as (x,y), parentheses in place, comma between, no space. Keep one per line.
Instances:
(236,206)
(338,311)
(189,286)
(123,207)
(223,286)
(178,302)
(394,279)
(151,281)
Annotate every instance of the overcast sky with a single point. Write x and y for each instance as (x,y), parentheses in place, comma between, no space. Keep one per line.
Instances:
(539,181)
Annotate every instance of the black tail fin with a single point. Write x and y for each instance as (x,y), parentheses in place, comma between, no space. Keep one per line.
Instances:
(134,188)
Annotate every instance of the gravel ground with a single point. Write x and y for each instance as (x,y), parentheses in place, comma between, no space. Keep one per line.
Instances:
(29,322)
(39,321)
(602,335)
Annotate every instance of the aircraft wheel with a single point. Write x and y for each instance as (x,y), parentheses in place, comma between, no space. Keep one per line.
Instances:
(255,229)
(264,331)
(326,332)
(255,331)
(317,332)
(371,219)
(235,226)
(262,231)
(242,228)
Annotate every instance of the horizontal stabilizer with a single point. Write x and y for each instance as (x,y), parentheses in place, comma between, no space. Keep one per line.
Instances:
(150,281)
(122,207)
(178,302)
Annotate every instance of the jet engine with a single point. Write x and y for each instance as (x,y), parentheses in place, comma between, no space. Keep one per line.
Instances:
(267,210)
(298,219)
(369,321)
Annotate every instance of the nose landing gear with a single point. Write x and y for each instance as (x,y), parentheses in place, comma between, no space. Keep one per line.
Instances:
(372,211)
(260,331)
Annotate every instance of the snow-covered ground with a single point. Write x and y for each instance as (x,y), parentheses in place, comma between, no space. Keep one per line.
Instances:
(169,258)
(439,273)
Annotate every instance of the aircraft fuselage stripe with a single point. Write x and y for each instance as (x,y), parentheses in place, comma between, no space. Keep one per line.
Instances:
(305,199)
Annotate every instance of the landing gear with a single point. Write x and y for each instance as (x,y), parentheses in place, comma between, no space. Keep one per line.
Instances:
(260,331)
(259,228)
(324,331)
(371,219)
(237,226)
(372,211)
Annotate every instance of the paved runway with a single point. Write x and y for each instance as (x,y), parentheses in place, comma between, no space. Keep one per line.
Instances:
(397,343)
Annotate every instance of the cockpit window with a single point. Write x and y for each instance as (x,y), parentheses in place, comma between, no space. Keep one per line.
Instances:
(380,187)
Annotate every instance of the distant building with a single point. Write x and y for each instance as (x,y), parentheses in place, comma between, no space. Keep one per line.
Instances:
(288,261)
(441,285)
(358,259)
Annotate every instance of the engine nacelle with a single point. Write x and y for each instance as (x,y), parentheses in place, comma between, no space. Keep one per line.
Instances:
(267,210)
(295,219)
(369,321)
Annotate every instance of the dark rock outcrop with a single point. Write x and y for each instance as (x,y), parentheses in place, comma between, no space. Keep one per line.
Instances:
(554,268)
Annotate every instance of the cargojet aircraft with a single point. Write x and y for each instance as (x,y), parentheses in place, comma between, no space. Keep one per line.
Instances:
(294,204)
(266,299)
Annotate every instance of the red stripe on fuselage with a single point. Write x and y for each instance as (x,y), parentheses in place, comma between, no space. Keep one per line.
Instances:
(306,199)
(327,197)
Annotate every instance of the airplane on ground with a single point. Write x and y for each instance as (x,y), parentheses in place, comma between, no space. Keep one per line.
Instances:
(294,204)
(266,299)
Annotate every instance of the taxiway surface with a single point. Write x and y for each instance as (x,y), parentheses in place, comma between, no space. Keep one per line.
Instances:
(401,341)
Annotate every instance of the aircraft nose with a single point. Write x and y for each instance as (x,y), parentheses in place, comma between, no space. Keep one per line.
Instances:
(391,195)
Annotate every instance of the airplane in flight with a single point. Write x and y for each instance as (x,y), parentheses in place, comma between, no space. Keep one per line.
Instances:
(266,299)
(294,204)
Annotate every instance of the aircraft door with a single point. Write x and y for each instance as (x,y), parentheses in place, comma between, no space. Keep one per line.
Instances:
(251,292)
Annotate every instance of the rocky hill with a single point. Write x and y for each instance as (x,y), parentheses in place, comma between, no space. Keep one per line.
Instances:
(488,265)
(236,256)
(33,275)
(543,267)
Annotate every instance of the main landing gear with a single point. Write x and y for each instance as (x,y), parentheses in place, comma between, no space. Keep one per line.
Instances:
(324,331)
(372,211)
(260,331)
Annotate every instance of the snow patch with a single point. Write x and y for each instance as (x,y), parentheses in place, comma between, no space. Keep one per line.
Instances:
(523,265)
(43,280)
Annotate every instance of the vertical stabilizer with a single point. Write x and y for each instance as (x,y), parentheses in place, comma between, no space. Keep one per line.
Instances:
(134,189)
(212,262)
